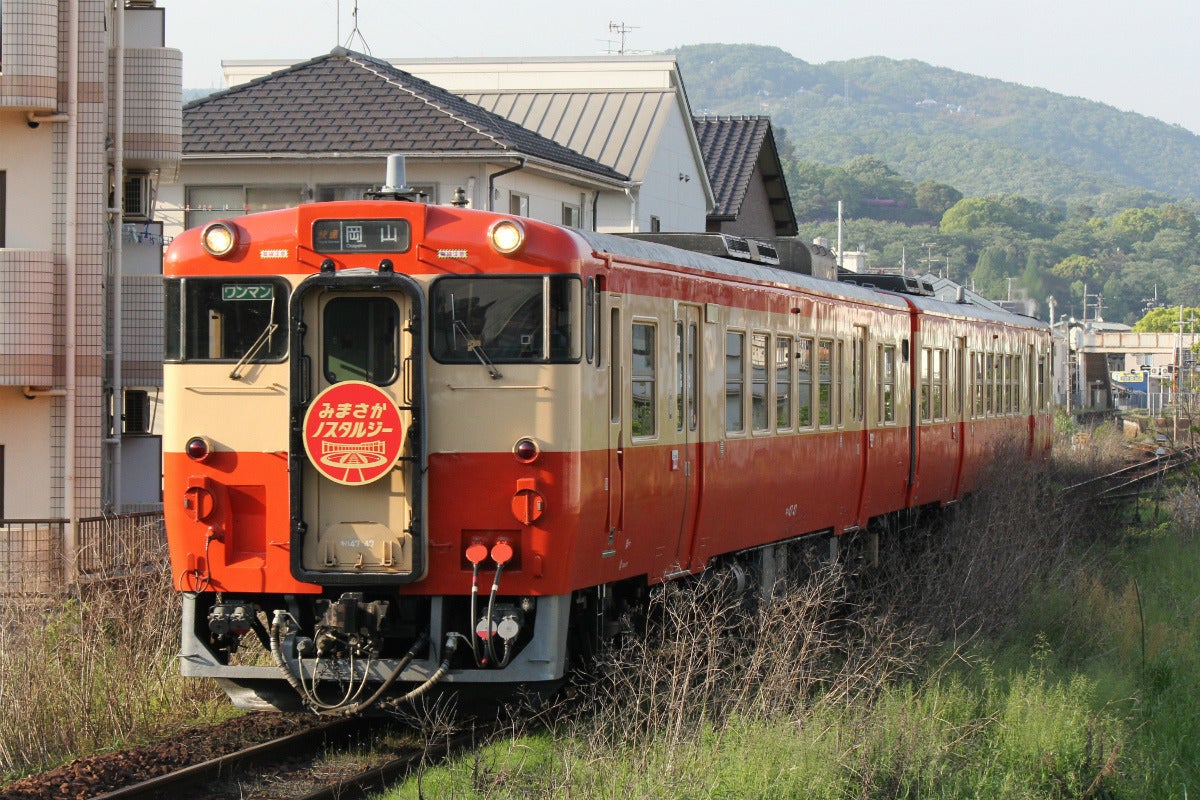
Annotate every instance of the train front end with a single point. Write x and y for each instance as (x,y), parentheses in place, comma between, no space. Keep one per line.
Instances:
(361,471)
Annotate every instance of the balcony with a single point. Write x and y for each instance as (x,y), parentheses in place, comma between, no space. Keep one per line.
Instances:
(29,30)
(153,108)
(27,308)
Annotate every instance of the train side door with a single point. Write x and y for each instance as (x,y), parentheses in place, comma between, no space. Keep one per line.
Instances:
(686,418)
(616,430)
(356,502)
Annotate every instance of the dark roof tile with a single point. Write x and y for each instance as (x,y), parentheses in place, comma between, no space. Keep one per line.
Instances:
(359,103)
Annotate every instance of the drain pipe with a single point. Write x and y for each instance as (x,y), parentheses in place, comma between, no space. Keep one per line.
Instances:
(492,181)
(633,208)
(70,268)
(117,256)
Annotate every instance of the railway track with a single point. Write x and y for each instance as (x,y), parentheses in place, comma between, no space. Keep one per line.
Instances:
(336,760)
(1130,481)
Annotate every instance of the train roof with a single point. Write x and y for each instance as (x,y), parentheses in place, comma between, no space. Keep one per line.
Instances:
(765,273)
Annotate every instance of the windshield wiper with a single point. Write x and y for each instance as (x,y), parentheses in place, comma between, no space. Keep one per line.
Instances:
(475,346)
(262,339)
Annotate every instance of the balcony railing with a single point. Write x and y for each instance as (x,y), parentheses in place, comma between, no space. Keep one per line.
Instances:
(33,560)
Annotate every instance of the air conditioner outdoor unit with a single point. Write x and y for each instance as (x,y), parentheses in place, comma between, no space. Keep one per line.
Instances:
(136,204)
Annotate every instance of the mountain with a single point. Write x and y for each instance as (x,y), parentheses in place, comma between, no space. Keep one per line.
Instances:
(980,135)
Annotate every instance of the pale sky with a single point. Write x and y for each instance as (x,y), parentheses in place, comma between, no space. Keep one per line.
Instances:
(1141,56)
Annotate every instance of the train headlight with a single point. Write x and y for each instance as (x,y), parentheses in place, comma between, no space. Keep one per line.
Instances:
(219,239)
(507,236)
(526,450)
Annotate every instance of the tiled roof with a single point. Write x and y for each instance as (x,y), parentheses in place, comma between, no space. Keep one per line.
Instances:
(732,148)
(349,103)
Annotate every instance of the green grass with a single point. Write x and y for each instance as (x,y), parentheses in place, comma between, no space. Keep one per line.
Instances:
(1090,690)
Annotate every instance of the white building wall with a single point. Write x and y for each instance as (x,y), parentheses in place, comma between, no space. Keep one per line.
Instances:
(674,187)
(547,192)
(25,430)
(25,154)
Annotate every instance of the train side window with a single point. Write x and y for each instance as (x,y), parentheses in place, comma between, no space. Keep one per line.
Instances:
(783,382)
(839,394)
(614,360)
(937,383)
(977,372)
(360,339)
(644,378)
(825,382)
(589,321)
(693,377)
(804,377)
(989,382)
(735,380)
(887,383)
(926,388)
(858,370)
(679,376)
(759,418)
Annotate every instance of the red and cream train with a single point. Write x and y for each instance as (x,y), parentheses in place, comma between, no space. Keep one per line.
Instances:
(409,444)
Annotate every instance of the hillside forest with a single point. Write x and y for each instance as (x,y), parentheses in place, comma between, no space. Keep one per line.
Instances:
(1013,191)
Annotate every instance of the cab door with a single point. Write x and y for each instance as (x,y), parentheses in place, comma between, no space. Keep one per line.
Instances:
(357,492)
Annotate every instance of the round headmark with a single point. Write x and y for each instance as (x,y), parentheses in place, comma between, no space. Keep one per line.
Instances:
(352,433)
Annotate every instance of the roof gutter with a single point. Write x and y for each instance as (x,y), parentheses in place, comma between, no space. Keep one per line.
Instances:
(492,181)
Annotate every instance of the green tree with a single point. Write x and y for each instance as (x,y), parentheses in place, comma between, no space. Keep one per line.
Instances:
(936,198)
(1164,320)
(1077,268)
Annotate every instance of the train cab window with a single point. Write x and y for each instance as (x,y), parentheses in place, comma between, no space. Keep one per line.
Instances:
(804,379)
(735,381)
(759,418)
(825,382)
(887,383)
(644,380)
(522,320)
(783,382)
(360,339)
(225,319)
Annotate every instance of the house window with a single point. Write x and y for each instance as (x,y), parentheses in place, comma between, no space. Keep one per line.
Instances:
(208,203)
(570,215)
(518,204)
(344,191)
(655,224)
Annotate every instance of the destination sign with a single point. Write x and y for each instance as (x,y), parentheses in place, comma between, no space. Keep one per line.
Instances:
(361,235)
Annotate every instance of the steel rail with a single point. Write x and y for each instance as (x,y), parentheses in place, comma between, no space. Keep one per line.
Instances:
(311,739)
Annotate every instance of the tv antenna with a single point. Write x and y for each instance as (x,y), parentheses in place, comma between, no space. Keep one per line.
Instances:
(621,29)
(353,33)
